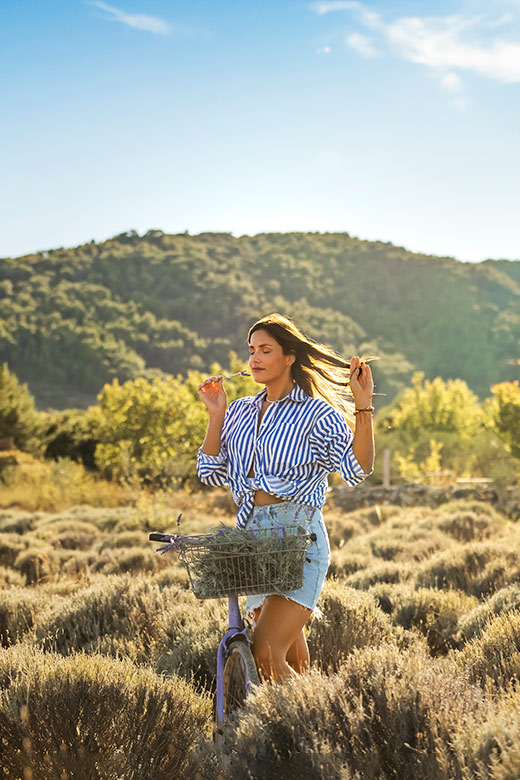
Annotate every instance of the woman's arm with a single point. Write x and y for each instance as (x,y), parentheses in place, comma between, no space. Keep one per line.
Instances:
(212,393)
(212,455)
(211,443)
(362,387)
(363,443)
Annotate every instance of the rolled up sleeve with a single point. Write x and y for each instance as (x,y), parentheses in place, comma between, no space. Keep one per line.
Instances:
(213,469)
(331,442)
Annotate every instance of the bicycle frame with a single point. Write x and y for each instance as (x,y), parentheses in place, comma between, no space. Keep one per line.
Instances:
(236,626)
(237,630)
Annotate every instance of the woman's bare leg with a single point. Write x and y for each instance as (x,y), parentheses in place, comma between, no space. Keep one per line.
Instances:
(278,627)
(298,654)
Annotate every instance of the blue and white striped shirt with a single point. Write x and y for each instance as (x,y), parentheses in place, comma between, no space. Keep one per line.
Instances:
(300,440)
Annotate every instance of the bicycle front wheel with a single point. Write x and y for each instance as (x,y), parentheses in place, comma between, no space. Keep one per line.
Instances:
(240,676)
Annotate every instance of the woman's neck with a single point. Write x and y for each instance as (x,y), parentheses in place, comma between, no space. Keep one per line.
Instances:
(279,388)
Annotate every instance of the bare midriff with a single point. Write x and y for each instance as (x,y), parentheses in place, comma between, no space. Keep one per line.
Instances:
(261,497)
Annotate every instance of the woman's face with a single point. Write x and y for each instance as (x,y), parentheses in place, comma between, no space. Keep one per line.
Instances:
(267,359)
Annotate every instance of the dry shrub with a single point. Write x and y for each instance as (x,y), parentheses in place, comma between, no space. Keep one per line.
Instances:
(163,627)
(491,749)
(388,713)
(73,562)
(16,522)
(10,577)
(477,568)
(483,508)
(74,539)
(435,613)
(407,545)
(95,718)
(386,572)
(131,559)
(174,574)
(19,608)
(503,600)
(193,633)
(467,526)
(344,562)
(11,545)
(494,656)
(124,539)
(372,516)
(350,620)
(342,526)
(84,517)
(51,526)
(37,564)
(118,607)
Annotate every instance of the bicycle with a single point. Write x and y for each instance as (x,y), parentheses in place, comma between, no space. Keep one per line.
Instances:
(232,562)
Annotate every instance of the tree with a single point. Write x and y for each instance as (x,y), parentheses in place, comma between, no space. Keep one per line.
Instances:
(18,417)
(152,429)
(504,414)
(434,406)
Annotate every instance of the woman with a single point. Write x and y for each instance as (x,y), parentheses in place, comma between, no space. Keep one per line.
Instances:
(274,450)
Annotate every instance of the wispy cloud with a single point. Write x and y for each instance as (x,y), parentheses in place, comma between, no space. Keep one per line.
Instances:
(504,19)
(454,86)
(438,42)
(442,43)
(137,21)
(452,82)
(363,45)
(366,16)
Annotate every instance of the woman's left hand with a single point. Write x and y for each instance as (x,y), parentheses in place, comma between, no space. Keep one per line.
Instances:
(361,382)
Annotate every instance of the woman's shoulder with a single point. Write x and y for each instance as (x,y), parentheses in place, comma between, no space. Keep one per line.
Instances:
(323,408)
(246,399)
(242,403)
(326,417)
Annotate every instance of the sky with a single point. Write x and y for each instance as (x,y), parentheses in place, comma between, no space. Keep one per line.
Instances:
(391,121)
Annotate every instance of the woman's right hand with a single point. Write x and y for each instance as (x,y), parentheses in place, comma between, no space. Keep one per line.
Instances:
(213,394)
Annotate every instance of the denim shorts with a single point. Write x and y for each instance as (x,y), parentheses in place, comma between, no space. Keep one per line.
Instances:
(317,557)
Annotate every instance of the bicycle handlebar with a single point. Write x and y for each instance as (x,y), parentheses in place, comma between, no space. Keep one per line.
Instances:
(157,537)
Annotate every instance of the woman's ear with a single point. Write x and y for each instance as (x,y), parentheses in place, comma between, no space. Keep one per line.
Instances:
(290,359)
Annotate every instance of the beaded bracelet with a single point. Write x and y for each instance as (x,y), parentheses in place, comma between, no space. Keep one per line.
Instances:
(368,409)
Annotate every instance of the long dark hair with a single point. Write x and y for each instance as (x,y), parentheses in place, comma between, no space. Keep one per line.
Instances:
(318,370)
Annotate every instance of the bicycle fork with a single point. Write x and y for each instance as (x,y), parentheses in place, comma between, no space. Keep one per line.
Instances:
(236,628)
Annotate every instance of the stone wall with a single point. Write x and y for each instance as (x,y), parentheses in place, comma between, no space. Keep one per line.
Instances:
(415,493)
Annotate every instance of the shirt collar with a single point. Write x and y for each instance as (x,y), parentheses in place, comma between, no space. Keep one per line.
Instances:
(296,394)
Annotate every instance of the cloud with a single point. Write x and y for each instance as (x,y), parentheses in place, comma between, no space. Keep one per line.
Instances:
(451,82)
(363,45)
(137,21)
(441,43)
(323,50)
(437,42)
(367,17)
(504,19)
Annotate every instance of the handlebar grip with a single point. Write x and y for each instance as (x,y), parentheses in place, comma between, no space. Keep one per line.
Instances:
(155,536)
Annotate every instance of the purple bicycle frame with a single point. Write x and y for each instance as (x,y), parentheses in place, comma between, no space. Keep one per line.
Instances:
(236,626)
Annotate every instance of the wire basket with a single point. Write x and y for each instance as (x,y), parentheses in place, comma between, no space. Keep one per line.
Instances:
(237,561)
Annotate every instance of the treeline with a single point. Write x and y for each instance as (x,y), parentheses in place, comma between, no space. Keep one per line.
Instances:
(158,305)
(148,431)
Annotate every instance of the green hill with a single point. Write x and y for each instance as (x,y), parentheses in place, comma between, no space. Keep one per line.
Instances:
(72,319)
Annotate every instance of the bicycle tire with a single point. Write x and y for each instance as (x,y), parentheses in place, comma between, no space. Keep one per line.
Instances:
(239,677)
